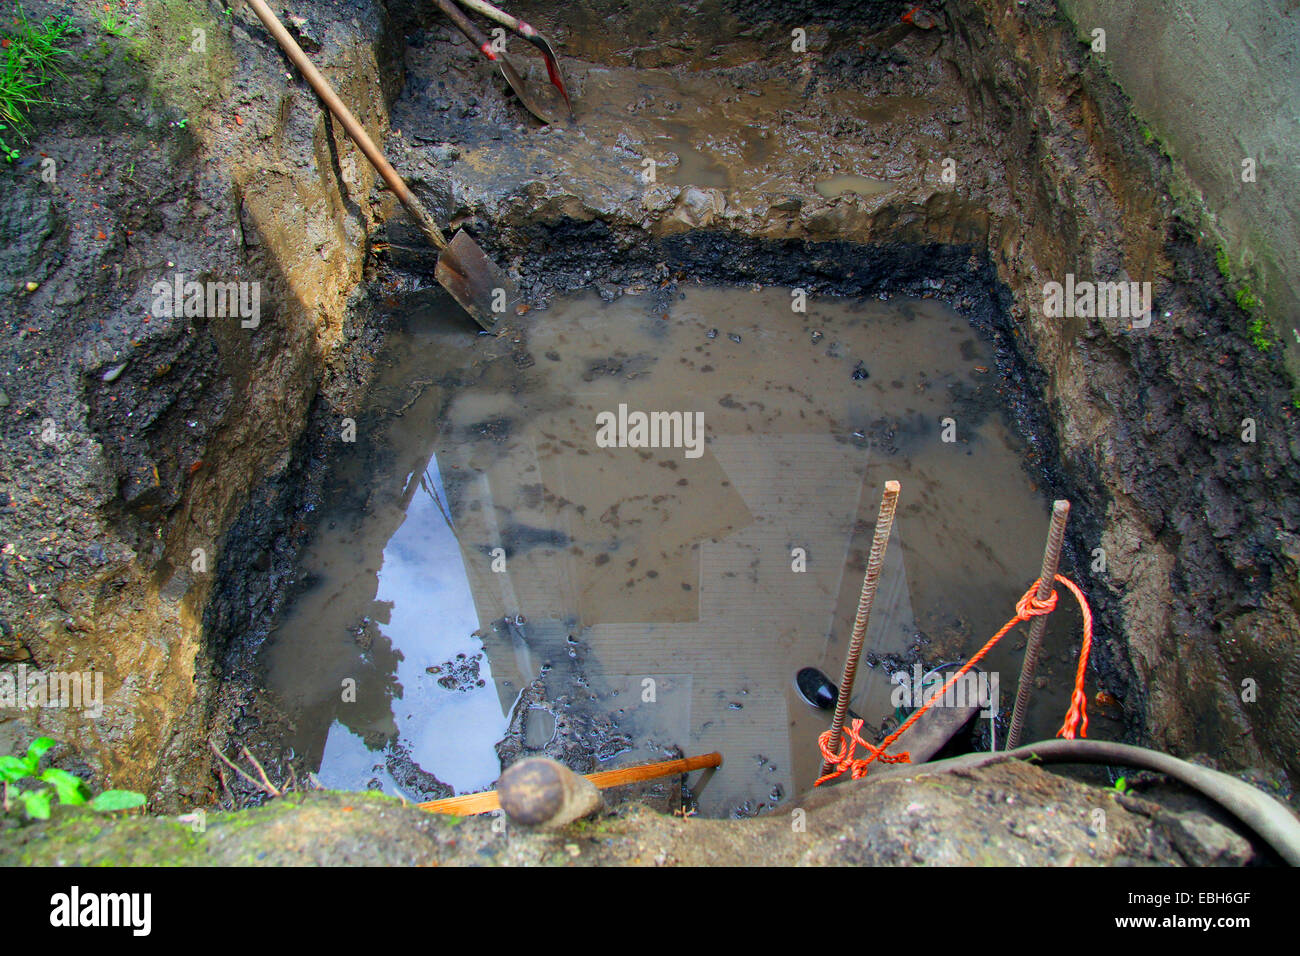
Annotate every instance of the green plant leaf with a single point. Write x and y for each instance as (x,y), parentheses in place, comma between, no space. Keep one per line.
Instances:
(111,800)
(12,769)
(68,786)
(37,803)
(35,751)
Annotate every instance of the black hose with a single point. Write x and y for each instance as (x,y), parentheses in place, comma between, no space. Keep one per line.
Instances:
(1268,817)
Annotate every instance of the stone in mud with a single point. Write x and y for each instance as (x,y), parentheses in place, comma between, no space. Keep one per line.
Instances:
(697,208)
(415,781)
(305,32)
(496,429)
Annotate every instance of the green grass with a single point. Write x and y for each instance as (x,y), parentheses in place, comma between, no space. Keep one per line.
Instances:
(31,52)
(22,779)
(1246,300)
(1259,335)
(1259,331)
(1221,260)
(110,24)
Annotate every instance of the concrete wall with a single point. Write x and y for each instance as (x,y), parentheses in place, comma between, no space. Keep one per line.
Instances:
(1218,81)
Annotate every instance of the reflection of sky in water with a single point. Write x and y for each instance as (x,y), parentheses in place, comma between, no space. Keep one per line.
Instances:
(449,733)
(347,759)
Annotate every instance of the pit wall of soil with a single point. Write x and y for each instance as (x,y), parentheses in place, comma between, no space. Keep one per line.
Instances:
(211,435)
(211,165)
(1215,86)
(1197,525)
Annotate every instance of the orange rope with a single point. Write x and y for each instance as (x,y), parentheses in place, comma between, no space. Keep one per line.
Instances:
(1076,720)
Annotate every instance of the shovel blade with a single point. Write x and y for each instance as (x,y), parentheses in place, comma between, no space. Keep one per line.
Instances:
(541,102)
(475,281)
(552,68)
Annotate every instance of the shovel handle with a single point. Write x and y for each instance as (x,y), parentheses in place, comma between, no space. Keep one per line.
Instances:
(501,17)
(532,36)
(467,27)
(354,129)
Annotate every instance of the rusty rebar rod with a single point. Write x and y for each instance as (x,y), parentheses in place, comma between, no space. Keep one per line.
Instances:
(880,541)
(1046,578)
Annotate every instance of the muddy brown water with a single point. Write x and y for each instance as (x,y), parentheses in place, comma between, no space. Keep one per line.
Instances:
(857,185)
(480,539)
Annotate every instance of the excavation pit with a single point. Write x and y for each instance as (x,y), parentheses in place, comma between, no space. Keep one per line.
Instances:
(187,518)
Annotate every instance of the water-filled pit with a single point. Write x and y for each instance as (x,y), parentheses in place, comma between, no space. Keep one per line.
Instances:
(499,557)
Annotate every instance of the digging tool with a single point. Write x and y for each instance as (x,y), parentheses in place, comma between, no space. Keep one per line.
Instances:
(471,803)
(463,269)
(532,36)
(531,100)
(540,792)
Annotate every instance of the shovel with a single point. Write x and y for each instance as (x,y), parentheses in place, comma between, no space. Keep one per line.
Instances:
(463,269)
(532,36)
(532,100)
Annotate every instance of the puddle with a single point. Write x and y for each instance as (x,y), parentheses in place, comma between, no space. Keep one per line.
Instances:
(693,167)
(494,580)
(857,185)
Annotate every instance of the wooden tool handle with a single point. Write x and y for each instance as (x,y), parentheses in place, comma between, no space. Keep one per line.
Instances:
(471,803)
(649,771)
(354,129)
(467,27)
